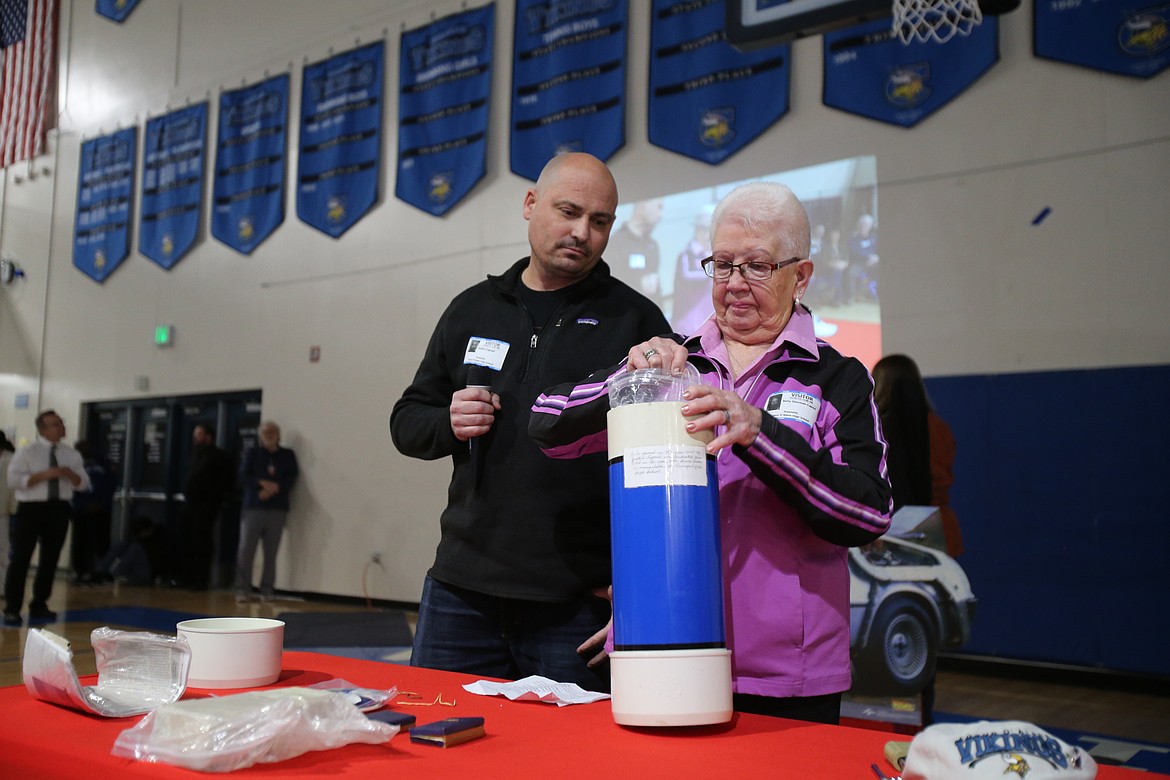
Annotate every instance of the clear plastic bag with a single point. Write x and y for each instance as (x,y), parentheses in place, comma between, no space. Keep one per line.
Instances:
(365,699)
(650,385)
(224,733)
(137,671)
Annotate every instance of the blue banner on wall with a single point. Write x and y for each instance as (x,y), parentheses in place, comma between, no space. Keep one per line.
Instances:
(174,151)
(443,104)
(117,10)
(1128,37)
(871,73)
(248,195)
(707,99)
(105,194)
(568,81)
(341,139)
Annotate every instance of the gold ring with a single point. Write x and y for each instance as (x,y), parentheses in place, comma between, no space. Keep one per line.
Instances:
(649,353)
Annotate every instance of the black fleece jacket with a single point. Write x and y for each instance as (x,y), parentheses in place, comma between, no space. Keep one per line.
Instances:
(536,528)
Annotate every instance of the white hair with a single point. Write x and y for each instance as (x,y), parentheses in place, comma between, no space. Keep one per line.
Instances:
(765,207)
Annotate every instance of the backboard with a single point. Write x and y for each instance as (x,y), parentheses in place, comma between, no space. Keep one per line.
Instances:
(755,24)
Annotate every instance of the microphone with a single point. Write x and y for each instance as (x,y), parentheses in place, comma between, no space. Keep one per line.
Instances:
(480,377)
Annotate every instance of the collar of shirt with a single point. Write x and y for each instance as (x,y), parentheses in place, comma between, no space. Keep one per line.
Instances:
(798,331)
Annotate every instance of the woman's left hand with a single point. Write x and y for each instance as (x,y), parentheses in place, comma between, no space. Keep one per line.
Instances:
(712,407)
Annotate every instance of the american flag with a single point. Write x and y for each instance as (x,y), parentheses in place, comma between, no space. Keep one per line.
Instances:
(28,35)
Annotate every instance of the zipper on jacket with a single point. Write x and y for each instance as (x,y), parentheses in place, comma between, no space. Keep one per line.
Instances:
(554,323)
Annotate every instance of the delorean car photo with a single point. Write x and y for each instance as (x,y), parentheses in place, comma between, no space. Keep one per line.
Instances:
(907,601)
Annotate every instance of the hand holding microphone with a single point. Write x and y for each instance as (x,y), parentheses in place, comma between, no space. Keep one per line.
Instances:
(473,408)
(479,383)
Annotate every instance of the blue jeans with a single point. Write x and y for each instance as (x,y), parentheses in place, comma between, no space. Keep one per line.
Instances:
(463,631)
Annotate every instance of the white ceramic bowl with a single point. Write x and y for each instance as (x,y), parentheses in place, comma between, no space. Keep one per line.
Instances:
(233,652)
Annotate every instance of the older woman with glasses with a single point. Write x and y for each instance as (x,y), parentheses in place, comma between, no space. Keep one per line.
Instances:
(801,463)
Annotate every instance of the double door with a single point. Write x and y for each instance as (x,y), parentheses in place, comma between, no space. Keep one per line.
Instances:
(147,444)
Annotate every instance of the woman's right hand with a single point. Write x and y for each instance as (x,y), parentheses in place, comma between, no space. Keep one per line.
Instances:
(658,353)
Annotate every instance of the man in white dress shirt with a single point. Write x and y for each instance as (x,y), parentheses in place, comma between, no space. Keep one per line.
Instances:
(44,474)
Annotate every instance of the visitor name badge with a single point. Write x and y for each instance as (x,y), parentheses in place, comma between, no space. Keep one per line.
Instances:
(794,405)
(486,352)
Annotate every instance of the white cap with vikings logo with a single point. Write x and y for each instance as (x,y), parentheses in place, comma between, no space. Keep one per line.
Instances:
(994,749)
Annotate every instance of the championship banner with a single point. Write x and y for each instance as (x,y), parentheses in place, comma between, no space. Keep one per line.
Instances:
(341,139)
(708,100)
(105,194)
(568,81)
(248,194)
(1127,37)
(117,10)
(443,103)
(869,72)
(175,147)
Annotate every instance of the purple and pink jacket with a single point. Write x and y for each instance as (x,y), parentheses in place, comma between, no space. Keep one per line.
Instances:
(812,484)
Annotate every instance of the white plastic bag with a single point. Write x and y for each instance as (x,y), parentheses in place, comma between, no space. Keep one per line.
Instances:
(137,671)
(224,733)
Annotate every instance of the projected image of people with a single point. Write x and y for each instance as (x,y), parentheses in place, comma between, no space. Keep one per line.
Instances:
(691,300)
(633,250)
(661,241)
(863,261)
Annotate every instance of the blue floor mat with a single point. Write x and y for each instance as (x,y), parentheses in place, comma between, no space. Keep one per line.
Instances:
(149,618)
(375,628)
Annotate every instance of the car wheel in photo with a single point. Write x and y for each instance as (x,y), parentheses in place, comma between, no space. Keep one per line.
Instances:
(903,649)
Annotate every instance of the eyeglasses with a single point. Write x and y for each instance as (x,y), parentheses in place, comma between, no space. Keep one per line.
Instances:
(753,270)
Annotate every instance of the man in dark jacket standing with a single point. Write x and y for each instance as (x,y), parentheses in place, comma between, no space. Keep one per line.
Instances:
(208,480)
(519,580)
(267,474)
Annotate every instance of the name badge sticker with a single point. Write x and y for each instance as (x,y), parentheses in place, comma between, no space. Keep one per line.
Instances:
(486,352)
(794,405)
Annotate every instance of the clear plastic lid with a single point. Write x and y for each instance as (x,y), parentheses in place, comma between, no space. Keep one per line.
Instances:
(650,385)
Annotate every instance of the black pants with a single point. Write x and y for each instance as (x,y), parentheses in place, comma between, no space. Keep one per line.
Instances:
(812,709)
(198,537)
(43,522)
(90,540)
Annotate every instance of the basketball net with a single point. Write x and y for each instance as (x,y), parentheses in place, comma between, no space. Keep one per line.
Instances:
(934,20)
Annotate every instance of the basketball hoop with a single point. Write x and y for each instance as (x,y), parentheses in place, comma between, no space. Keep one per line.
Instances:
(934,20)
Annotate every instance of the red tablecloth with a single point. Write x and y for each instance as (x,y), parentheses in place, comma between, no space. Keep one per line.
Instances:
(524,739)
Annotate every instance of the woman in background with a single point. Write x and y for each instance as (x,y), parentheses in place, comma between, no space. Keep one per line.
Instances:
(920,459)
(93,512)
(921,454)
